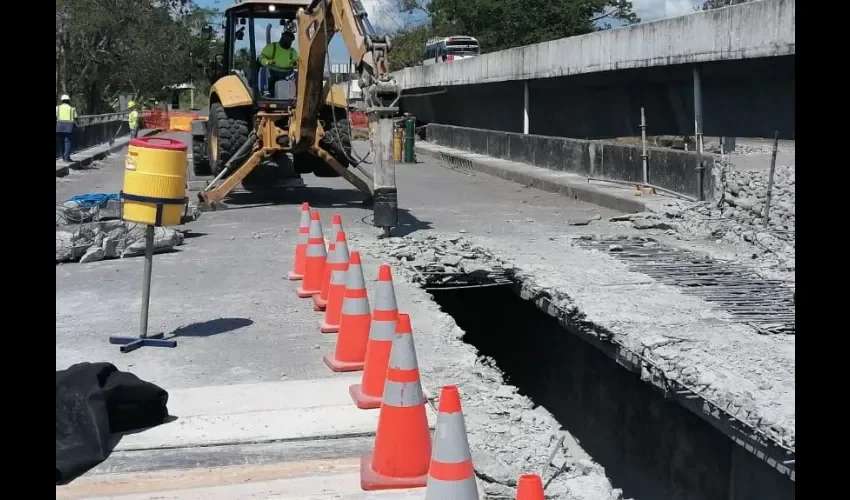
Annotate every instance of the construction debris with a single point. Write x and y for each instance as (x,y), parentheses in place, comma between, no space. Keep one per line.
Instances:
(94,241)
(452,260)
(766,305)
(507,432)
(735,218)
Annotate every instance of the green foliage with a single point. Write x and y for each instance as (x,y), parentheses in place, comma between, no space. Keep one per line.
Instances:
(716,4)
(106,47)
(408,47)
(503,24)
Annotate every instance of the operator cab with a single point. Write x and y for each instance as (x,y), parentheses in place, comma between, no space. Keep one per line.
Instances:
(271,88)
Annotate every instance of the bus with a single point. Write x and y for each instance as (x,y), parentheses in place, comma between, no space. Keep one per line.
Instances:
(450,48)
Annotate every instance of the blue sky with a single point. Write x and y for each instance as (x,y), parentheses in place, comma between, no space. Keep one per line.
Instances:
(647,10)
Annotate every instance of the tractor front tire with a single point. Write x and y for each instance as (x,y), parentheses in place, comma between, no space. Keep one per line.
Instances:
(228,131)
(200,162)
(337,142)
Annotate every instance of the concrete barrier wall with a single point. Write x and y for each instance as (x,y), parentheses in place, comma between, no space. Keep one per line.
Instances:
(751,98)
(669,169)
(752,30)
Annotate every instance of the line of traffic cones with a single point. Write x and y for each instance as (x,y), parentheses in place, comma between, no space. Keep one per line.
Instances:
(379,342)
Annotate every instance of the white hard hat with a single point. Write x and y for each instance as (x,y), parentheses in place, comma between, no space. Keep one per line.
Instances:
(65,97)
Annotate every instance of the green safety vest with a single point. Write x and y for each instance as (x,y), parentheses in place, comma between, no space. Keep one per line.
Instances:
(66,113)
(133,118)
(283,58)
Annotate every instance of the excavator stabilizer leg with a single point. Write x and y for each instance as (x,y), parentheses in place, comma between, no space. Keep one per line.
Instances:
(214,194)
(344,172)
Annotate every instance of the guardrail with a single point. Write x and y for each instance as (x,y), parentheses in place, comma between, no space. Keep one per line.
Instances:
(92,130)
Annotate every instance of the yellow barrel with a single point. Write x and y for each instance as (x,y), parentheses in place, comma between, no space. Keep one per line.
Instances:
(154,181)
(398,143)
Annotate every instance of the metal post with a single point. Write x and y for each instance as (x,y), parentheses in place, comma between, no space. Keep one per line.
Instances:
(698,108)
(525,119)
(698,130)
(132,343)
(146,282)
(770,177)
(644,156)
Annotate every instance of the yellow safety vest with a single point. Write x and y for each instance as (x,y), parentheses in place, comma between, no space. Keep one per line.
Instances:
(66,113)
(283,58)
(133,118)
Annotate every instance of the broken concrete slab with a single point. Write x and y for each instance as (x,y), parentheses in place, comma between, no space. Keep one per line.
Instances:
(110,239)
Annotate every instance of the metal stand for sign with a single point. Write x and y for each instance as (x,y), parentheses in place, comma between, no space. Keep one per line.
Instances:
(129,344)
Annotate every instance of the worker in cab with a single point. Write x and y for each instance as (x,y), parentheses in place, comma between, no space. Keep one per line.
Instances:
(66,123)
(133,119)
(278,61)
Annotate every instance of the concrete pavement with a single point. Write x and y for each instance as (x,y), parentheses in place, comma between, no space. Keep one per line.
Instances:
(237,321)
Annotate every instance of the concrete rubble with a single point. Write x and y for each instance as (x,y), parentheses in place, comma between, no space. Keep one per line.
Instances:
(94,241)
(736,218)
(91,234)
(513,433)
(508,435)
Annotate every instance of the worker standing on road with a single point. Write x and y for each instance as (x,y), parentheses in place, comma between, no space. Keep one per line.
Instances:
(66,122)
(133,119)
(279,61)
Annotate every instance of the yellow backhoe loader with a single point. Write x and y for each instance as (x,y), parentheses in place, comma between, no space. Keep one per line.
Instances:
(299,123)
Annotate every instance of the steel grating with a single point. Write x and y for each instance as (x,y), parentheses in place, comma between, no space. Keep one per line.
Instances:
(766,305)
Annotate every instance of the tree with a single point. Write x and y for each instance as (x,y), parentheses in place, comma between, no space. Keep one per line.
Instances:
(500,24)
(108,46)
(716,4)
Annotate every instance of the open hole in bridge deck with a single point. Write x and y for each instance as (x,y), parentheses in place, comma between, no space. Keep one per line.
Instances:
(651,447)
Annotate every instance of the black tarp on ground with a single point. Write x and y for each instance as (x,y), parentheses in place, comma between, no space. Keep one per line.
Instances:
(95,401)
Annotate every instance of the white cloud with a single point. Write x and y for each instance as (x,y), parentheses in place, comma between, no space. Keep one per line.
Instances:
(650,10)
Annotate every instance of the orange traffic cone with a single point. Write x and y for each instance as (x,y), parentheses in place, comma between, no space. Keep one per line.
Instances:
(529,487)
(402,451)
(451,474)
(350,352)
(320,301)
(336,289)
(336,226)
(367,394)
(298,266)
(315,259)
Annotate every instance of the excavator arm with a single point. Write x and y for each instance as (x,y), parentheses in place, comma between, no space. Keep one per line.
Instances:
(316,26)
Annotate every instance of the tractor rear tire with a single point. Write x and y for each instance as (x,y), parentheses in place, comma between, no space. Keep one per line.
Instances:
(228,131)
(337,142)
(200,162)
